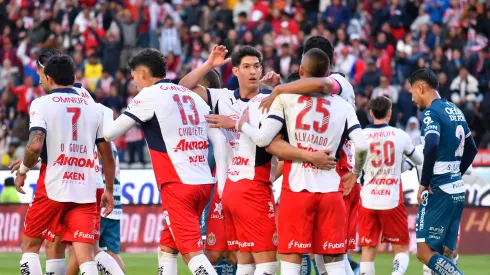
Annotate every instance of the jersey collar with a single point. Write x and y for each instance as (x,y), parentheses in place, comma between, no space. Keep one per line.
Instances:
(77,85)
(163,81)
(64,90)
(376,125)
(236,93)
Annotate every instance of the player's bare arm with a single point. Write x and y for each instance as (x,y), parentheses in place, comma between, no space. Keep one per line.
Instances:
(285,151)
(304,86)
(220,121)
(107,157)
(361,146)
(216,59)
(33,151)
(220,156)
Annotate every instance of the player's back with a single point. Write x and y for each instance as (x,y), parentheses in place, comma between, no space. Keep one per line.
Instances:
(381,175)
(176,132)
(315,123)
(72,126)
(253,162)
(448,121)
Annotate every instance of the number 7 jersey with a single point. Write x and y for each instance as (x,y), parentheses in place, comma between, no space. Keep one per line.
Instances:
(313,123)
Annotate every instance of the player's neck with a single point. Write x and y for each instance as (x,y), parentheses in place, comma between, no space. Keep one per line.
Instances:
(432,96)
(248,93)
(380,121)
(56,86)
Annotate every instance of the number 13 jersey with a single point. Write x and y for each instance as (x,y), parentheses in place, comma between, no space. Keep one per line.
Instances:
(172,118)
(313,123)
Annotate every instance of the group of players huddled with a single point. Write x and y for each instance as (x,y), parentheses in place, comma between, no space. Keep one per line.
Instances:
(306,130)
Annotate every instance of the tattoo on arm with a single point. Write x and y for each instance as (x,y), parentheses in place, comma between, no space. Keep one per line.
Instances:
(34,147)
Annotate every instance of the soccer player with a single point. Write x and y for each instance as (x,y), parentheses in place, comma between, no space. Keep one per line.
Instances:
(449,150)
(335,83)
(313,195)
(383,208)
(176,132)
(65,195)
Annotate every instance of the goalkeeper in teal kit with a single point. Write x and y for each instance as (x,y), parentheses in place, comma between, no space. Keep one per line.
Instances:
(449,150)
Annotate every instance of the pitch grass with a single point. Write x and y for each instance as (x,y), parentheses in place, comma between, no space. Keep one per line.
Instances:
(147,264)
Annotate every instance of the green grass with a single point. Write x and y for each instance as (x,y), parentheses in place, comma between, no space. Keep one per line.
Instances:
(147,264)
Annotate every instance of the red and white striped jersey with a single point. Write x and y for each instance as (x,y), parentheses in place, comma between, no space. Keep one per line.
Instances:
(313,123)
(172,118)
(252,162)
(381,175)
(73,125)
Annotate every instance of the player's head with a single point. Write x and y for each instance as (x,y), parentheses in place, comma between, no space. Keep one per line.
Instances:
(211,80)
(247,67)
(315,63)
(321,43)
(59,71)
(293,77)
(423,87)
(41,63)
(380,108)
(147,67)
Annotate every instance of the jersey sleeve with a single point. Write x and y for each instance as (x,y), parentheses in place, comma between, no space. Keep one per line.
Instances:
(141,108)
(107,120)
(37,121)
(277,109)
(431,124)
(352,121)
(408,147)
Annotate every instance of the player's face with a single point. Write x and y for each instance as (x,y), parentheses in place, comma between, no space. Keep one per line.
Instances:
(249,72)
(138,77)
(417,91)
(43,80)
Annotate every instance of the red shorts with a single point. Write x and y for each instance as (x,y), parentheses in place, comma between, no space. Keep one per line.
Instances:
(352,202)
(99,193)
(393,223)
(250,215)
(74,222)
(216,232)
(182,206)
(312,223)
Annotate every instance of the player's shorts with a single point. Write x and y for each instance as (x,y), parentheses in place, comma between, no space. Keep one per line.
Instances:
(182,205)
(352,202)
(73,222)
(393,223)
(305,223)
(250,215)
(99,193)
(110,235)
(216,232)
(438,220)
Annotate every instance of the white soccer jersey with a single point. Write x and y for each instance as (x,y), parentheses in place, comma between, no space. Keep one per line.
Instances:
(172,118)
(313,123)
(99,182)
(346,89)
(73,125)
(381,175)
(252,162)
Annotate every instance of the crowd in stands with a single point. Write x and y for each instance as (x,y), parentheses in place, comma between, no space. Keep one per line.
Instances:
(378,44)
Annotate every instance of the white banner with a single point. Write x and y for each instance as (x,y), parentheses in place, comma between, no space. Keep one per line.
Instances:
(138,186)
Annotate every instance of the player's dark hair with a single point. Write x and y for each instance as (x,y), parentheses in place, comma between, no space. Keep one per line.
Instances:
(61,69)
(321,43)
(236,58)
(213,79)
(151,59)
(427,76)
(45,56)
(293,77)
(380,106)
(318,63)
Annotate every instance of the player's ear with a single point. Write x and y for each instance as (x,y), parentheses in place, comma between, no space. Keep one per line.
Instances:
(301,71)
(371,113)
(235,71)
(388,115)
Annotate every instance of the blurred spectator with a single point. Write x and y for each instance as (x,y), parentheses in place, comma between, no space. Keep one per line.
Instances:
(464,88)
(9,156)
(9,193)
(25,93)
(405,106)
(93,72)
(413,130)
(336,15)
(385,89)
(370,79)
(8,74)
(104,83)
(242,6)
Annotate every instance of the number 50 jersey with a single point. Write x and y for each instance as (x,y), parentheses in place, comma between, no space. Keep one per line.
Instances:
(172,118)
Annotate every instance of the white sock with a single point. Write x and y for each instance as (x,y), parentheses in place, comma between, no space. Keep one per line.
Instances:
(456,259)
(56,267)
(245,269)
(366,268)
(335,268)
(167,263)
(89,268)
(105,262)
(348,269)
(428,271)
(400,264)
(201,265)
(30,264)
(288,268)
(266,268)
(320,264)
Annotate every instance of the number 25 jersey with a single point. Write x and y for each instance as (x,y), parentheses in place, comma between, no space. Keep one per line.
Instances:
(172,118)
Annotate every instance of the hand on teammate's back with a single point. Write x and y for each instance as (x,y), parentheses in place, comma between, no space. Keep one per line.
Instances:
(271,79)
(220,121)
(245,118)
(349,180)
(217,56)
(323,160)
(107,199)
